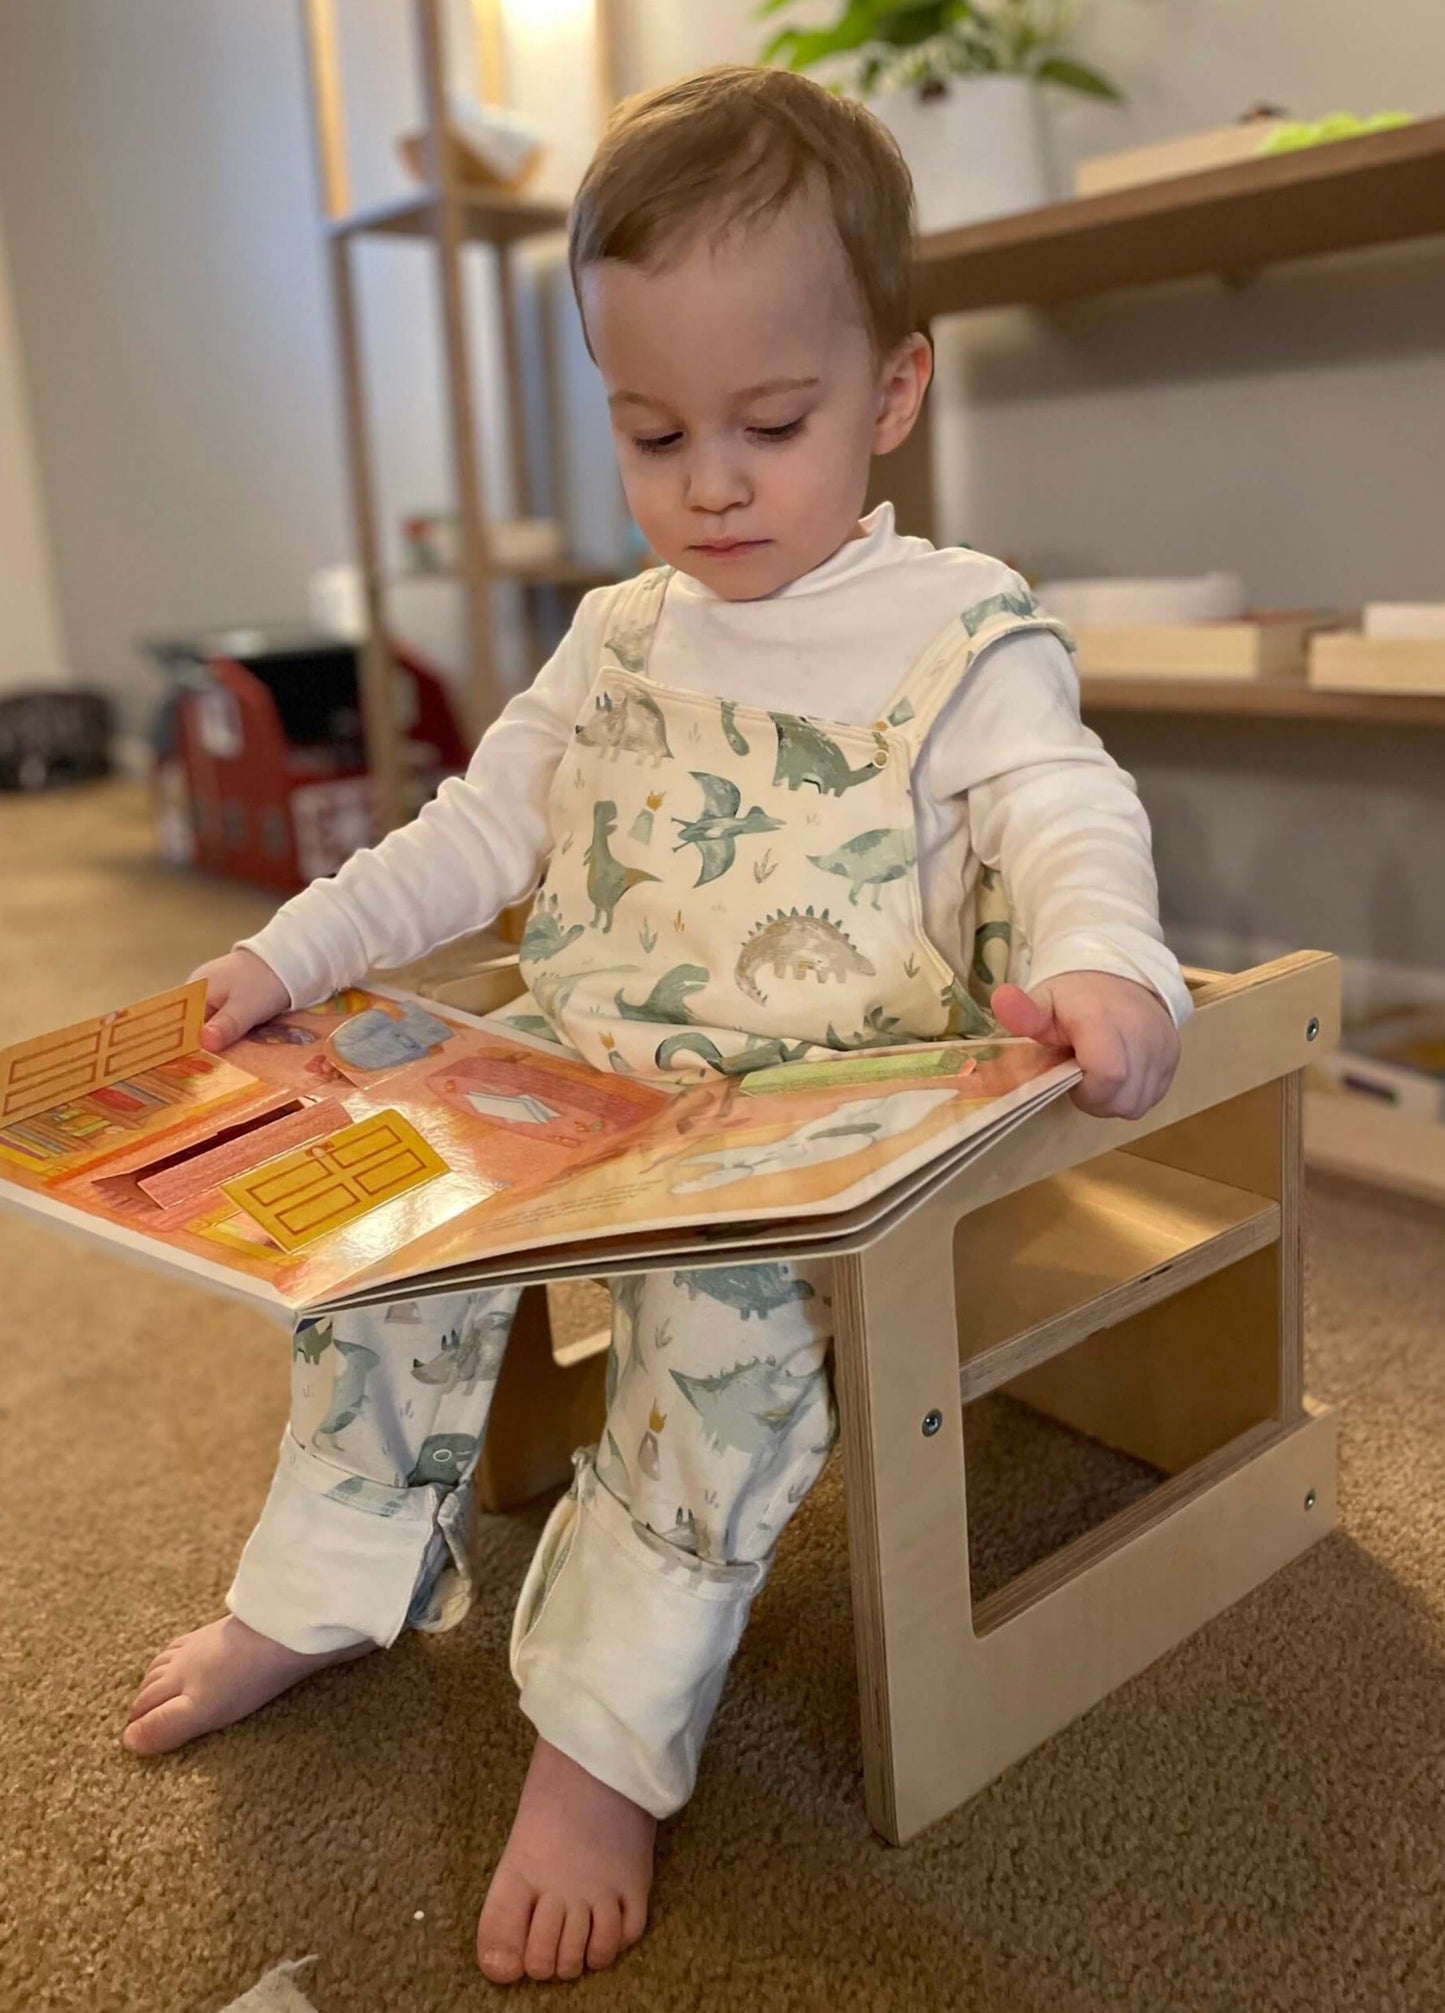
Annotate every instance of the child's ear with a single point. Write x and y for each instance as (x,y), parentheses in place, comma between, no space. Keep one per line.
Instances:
(902,382)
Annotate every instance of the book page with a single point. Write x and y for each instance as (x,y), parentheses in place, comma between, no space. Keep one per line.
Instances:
(498,1139)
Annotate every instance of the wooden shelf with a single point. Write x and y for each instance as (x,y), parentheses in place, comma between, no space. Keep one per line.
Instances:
(1243,700)
(488,215)
(1045,1267)
(1376,189)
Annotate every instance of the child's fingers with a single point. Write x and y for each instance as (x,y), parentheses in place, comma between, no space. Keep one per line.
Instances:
(223,1026)
(1108,1079)
(1020,1013)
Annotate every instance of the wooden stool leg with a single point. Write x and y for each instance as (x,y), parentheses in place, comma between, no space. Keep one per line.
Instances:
(896,1366)
(541,1411)
(951,1694)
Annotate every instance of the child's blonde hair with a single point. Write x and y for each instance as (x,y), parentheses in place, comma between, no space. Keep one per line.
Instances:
(732,145)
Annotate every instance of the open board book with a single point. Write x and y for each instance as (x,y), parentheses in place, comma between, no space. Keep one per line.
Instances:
(378,1142)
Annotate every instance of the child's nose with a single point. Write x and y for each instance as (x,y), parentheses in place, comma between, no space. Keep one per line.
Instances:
(715,480)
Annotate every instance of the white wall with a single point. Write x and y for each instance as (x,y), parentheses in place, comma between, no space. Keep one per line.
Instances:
(30,644)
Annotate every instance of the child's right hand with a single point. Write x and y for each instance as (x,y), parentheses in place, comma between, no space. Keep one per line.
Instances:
(241,992)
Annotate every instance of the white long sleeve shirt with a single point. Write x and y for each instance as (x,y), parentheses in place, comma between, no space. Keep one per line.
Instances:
(1007,772)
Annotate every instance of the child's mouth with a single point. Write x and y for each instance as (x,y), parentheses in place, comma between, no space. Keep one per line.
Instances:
(730,548)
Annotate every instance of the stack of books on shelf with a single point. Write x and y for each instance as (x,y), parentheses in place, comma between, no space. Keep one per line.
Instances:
(1196,628)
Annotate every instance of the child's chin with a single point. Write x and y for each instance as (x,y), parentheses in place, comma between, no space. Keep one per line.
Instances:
(746,578)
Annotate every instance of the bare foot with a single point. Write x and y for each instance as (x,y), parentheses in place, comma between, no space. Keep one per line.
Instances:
(571,1888)
(211,1677)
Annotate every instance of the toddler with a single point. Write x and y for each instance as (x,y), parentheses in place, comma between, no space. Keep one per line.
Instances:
(808,785)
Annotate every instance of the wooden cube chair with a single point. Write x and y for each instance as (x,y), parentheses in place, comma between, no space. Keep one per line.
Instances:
(1138,1282)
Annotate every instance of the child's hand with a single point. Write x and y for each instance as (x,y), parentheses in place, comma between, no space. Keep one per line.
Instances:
(1120,1032)
(241,992)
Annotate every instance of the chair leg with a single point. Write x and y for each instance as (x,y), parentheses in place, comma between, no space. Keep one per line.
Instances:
(896,1364)
(951,1694)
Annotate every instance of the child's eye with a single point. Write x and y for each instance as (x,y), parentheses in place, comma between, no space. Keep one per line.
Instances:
(657,443)
(784,432)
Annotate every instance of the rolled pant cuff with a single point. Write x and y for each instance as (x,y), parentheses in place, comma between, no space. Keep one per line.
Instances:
(336,1560)
(621,1645)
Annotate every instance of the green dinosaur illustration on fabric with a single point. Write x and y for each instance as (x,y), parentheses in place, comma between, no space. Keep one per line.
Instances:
(627,723)
(748,1407)
(902,713)
(870,861)
(880,1029)
(545,936)
(472,1353)
(716,832)
(667,1002)
(807,755)
(732,733)
(627,1320)
(799,945)
(965,1015)
(311,1339)
(983,612)
(612,1470)
(980,971)
(349,1387)
(444,1458)
(607,879)
(683,1535)
(747,1289)
(764,1053)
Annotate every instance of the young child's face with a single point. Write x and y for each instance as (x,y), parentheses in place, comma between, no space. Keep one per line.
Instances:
(746,398)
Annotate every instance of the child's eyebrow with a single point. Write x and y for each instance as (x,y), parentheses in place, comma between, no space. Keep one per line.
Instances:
(738,398)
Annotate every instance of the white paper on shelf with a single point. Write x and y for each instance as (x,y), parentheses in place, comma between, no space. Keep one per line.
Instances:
(1404,619)
(1205,597)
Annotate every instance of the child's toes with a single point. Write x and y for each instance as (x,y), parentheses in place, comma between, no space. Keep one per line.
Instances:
(152,1693)
(634,1917)
(544,1936)
(572,1949)
(167,1725)
(606,1938)
(502,1931)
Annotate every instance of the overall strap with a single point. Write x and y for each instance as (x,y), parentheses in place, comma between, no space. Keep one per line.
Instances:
(935,675)
(632,618)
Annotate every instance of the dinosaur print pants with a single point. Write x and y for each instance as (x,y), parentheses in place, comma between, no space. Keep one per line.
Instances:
(719,1419)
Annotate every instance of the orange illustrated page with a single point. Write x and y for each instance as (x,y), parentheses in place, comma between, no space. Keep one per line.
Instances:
(377,1137)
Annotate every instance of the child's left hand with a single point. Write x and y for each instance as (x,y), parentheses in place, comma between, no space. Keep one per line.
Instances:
(1120,1032)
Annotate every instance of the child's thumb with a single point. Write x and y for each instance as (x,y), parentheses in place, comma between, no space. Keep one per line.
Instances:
(221,1030)
(1018,1012)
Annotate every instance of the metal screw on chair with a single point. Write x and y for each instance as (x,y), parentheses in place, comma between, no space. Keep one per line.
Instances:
(931,1423)
(1312,1027)
(1309,1499)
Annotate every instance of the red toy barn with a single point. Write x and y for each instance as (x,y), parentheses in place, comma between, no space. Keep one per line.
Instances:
(260,769)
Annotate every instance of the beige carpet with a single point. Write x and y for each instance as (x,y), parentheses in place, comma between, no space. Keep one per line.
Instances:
(1255,1823)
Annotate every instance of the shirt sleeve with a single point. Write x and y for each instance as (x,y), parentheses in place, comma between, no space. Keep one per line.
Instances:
(1053,810)
(479,845)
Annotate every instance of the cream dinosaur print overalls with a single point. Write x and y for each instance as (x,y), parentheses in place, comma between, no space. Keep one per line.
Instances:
(732,887)
(729,887)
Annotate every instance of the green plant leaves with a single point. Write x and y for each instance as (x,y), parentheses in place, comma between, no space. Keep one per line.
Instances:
(924,43)
(1077,77)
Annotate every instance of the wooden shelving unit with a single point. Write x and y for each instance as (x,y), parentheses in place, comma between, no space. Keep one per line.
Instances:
(1377,189)
(1227,699)
(1381,188)
(451,216)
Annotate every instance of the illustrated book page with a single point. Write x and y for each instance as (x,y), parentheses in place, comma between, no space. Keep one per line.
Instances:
(378,1139)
